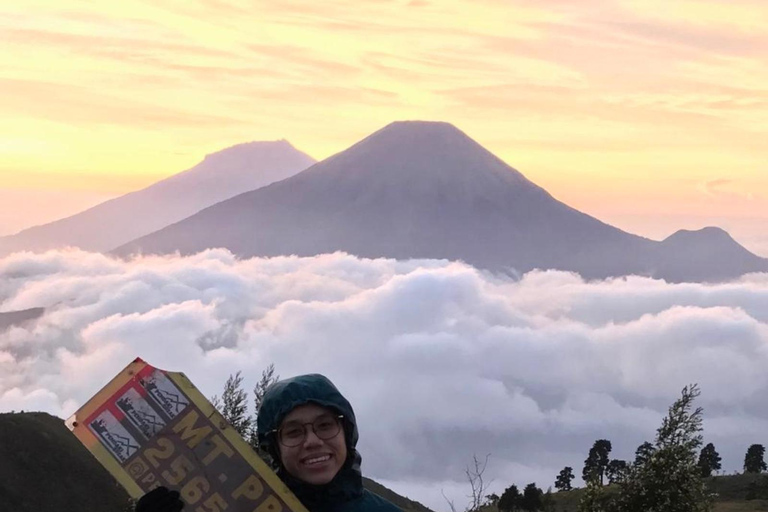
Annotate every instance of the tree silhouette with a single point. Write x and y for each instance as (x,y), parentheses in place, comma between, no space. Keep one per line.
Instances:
(616,471)
(754,461)
(233,405)
(709,460)
(643,453)
(510,499)
(597,461)
(268,378)
(532,498)
(669,480)
(564,479)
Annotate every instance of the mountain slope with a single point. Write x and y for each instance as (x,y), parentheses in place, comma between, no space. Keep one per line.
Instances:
(688,255)
(9,319)
(410,190)
(426,190)
(44,467)
(218,177)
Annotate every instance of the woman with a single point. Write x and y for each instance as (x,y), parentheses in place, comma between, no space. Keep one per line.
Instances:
(309,430)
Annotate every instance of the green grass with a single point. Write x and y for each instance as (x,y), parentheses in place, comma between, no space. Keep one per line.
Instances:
(733,493)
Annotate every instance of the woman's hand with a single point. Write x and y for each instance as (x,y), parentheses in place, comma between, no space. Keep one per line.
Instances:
(160,499)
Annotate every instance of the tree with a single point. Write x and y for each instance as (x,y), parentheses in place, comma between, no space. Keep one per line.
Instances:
(548,501)
(670,479)
(564,479)
(643,454)
(491,500)
(268,378)
(478,486)
(532,499)
(754,461)
(510,499)
(233,405)
(616,471)
(597,461)
(595,499)
(709,460)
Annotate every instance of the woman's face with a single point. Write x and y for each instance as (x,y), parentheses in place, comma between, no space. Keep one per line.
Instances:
(313,460)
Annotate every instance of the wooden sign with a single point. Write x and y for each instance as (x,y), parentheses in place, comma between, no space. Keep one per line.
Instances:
(150,427)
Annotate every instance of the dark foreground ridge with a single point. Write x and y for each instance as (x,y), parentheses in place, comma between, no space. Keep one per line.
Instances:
(44,468)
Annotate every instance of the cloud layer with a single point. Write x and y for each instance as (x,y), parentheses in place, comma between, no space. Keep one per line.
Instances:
(441,361)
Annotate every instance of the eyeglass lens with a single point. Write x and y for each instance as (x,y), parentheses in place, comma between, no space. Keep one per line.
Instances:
(325,427)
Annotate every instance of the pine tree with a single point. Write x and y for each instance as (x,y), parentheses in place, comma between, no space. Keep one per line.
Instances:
(597,461)
(268,378)
(533,498)
(754,461)
(616,471)
(564,479)
(233,405)
(709,460)
(510,499)
(643,454)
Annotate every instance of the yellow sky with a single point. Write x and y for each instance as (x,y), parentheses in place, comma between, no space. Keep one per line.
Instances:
(649,114)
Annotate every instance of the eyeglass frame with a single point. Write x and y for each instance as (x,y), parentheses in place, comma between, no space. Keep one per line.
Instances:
(339,421)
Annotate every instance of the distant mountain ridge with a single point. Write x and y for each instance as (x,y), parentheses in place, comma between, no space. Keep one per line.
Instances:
(418,189)
(218,177)
(9,319)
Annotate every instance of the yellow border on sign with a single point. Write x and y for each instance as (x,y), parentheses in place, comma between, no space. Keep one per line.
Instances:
(243,448)
(76,424)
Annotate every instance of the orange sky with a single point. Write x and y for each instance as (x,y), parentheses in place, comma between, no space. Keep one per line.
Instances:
(648,114)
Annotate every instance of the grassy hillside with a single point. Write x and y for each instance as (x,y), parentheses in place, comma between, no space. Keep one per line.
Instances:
(733,493)
(43,467)
(401,501)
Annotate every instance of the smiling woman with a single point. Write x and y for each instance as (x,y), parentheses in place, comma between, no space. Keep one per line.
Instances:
(314,455)
(310,431)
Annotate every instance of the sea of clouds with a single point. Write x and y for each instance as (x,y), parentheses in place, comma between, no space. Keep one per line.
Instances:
(440,360)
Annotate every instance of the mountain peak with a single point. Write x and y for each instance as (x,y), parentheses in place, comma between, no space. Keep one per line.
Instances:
(709,234)
(249,149)
(418,132)
(421,155)
(413,125)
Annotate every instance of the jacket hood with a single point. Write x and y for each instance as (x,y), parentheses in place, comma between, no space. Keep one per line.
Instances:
(283,396)
(280,399)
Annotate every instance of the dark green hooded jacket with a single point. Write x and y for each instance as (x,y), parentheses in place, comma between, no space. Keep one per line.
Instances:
(345,493)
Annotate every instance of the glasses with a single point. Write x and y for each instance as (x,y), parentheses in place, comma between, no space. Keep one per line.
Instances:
(293,433)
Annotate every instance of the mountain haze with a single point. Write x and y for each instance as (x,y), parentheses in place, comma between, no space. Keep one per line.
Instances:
(218,177)
(426,190)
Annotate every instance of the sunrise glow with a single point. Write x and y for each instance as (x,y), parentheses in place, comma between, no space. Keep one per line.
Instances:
(648,114)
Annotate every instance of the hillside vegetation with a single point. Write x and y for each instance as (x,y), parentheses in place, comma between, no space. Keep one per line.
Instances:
(43,467)
(733,493)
